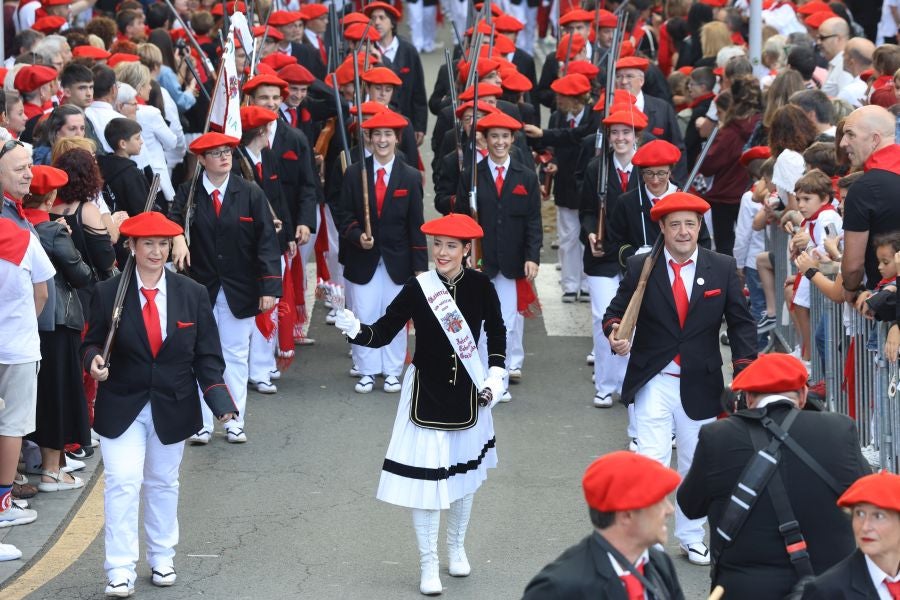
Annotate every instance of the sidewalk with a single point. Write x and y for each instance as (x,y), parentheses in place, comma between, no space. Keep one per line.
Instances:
(55,511)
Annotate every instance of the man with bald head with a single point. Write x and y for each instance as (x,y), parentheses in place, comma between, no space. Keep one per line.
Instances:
(834,33)
(871,206)
(857,58)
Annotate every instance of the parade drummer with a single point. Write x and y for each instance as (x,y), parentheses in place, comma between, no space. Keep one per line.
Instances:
(443,438)
(147,402)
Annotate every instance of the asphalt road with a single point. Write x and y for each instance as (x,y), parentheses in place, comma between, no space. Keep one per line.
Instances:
(292,513)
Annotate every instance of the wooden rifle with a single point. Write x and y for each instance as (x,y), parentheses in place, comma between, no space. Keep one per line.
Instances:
(629,319)
(477,254)
(125,281)
(357,98)
(342,127)
(257,53)
(454,104)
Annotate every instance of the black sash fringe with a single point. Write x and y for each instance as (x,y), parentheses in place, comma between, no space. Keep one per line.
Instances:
(437,474)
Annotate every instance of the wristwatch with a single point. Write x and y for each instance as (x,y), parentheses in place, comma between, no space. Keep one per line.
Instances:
(810,273)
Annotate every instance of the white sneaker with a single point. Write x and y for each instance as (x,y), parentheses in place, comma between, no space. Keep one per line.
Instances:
(16,515)
(365,385)
(274,375)
(354,372)
(9,552)
(515,375)
(590,358)
(391,384)
(201,438)
(603,400)
(73,465)
(235,434)
(674,441)
(632,445)
(119,588)
(505,397)
(163,576)
(264,387)
(331,317)
(697,553)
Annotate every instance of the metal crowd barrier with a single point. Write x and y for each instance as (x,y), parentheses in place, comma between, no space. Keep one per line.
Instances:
(777,244)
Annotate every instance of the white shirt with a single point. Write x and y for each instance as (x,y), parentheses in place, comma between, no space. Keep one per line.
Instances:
(642,559)
(390,52)
(209,187)
(576,118)
(619,166)
(18,323)
(639,103)
(837,77)
(789,167)
(387,169)
(854,91)
(887,27)
(653,198)
(160,300)
(687,277)
(748,243)
(100,114)
(272,128)
(493,167)
(878,577)
(312,37)
(173,155)
(158,139)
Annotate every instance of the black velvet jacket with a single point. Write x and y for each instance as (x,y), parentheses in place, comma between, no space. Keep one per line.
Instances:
(444,396)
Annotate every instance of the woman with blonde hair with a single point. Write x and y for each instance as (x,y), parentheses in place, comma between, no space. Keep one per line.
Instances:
(714,36)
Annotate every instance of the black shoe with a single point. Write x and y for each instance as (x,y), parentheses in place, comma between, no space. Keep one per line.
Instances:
(81,453)
(569,297)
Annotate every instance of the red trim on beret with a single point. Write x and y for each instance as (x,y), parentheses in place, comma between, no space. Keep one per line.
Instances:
(679,201)
(149,224)
(816,19)
(879,489)
(388,8)
(577,15)
(632,62)
(49,24)
(626,115)
(572,85)
(280,18)
(45,179)
(256,116)
(211,140)
(623,480)
(607,19)
(454,225)
(771,373)
(296,74)
(386,119)
(584,67)
(514,82)
(89,51)
(261,80)
(484,89)
(498,120)
(508,24)
(382,76)
(32,77)
(657,153)
(313,11)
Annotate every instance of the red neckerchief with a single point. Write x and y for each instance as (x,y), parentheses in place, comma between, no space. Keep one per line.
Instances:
(700,100)
(883,81)
(886,159)
(811,221)
(17,204)
(13,242)
(36,216)
(32,110)
(884,282)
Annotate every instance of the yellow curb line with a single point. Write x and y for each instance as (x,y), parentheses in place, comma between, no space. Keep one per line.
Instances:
(71,544)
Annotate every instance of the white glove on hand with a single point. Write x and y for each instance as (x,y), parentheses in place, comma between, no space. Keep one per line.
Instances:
(347,322)
(494,381)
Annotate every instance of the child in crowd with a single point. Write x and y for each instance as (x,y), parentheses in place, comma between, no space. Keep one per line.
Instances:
(765,195)
(881,303)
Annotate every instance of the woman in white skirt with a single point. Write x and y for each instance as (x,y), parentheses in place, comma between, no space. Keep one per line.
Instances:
(443,439)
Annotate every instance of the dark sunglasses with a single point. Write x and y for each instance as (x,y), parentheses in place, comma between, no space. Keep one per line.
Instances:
(9,146)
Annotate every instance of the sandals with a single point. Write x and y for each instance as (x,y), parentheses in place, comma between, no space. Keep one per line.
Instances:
(59,483)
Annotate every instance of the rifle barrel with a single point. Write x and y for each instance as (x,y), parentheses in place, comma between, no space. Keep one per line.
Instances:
(701,157)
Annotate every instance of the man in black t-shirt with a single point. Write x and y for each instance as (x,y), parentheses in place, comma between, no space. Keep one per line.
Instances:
(871,206)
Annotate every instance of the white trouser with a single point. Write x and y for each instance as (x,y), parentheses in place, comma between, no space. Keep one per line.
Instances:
(609,368)
(370,301)
(571,250)
(422,24)
(515,353)
(234,334)
(335,269)
(657,406)
(134,459)
(262,350)
(506,291)
(458,13)
(525,39)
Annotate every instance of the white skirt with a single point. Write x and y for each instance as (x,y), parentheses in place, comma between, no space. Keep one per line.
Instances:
(430,468)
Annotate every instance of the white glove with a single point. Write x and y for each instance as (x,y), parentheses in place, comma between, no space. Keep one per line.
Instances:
(494,381)
(347,322)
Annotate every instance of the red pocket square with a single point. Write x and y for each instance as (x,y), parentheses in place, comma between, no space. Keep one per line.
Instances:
(401,193)
(404,70)
(290,155)
(246,219)
(520,190)
(273,177)
(658,131)
(712,293)
(183,325)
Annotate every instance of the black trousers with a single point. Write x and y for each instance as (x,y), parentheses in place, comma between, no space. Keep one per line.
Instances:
(724,218)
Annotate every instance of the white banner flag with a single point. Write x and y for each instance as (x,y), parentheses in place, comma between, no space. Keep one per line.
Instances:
(225,114)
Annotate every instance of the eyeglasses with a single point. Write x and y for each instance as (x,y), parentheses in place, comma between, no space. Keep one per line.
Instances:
(218,153)
(655,174)
(9,146)
(822,38)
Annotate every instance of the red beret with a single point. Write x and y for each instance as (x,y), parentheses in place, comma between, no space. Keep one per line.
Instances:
(381,75)
(607,19)
(867,74)
(719,71)
(32,77)
(657,153)
(485,66)
(498,120)
(770,373)
(121,57)
(386,119)
(675,202)
(280,18)
(354,17)
(454,225)
(211,140)
(514,82)
(502,46)
(626,49)
(261,80)
(880,489)
(812,7)
(272,34)
(45,179)
(355,31)
(313,11)
(755,153)
(55,2)
(484,89)
(261,69)
(388,8)
(296,74)
(89,51)
(233,7)
(508,24)
(577,15)
(817,18)
(279,60)
(256,116)
(495,10)
(149,224)
(572,85)
(369,107)
(584,67)
(48,24)
(686,70)
(632,62)
(619,97)
(714,3)
(626,115)
(482,106)
(577,46)
(623,480)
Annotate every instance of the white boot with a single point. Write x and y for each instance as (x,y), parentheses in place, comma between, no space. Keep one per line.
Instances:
(457,522)
(427,523)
